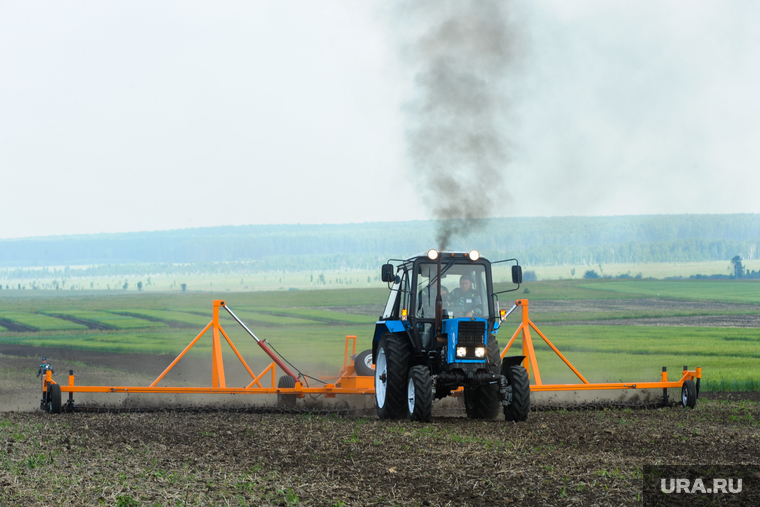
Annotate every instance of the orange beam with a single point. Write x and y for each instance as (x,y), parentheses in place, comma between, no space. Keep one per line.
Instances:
(558,353)
(217,363)
(235,350)
(153,384)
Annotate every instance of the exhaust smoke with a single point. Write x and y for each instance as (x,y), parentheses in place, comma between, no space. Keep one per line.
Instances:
(460,54)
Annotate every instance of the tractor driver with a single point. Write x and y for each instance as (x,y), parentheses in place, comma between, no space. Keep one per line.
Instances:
(465,301)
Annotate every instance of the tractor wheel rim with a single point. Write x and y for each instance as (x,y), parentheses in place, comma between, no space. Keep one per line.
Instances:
(410,395)
(368,361)
(381,371)
(684,395)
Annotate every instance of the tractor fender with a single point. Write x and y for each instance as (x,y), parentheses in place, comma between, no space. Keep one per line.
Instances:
(507,362)
(383,327)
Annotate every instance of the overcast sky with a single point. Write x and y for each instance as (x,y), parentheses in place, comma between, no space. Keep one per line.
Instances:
(129,116)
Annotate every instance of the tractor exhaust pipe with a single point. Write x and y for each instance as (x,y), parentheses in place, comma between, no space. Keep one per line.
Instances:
(438,305)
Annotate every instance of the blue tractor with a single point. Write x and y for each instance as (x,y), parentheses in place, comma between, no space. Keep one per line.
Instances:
(430,340)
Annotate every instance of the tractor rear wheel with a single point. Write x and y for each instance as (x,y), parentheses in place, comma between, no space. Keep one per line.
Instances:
(363,364)
(482,402)
(420,394)
(54,398)
(689,394)
(520,406)
(391,376)
(286,400)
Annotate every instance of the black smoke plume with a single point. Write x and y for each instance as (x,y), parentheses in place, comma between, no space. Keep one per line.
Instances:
(460,54)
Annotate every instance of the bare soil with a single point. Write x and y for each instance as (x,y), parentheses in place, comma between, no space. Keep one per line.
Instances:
(227,458)
(220,456)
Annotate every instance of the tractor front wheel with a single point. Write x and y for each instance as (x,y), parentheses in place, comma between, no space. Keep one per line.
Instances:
(391,376)
(420,394)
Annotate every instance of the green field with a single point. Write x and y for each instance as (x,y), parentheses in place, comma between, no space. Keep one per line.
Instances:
(313,337)
(40,321)
(727,291)
(112,320)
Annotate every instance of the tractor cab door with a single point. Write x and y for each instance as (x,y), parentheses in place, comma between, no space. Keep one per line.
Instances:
(399,298)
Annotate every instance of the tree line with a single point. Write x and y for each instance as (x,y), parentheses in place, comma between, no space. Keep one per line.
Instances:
(254,248)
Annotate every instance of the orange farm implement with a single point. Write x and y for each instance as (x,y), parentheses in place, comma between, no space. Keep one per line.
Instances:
(288,388)
(292,386)
(688,383)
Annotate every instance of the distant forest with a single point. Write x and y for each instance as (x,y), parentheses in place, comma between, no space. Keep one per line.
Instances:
(584,241)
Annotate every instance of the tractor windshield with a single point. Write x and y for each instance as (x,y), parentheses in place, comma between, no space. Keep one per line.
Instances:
(463,290)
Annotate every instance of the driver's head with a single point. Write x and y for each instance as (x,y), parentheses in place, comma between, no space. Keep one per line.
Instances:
(465,283)
(44,360)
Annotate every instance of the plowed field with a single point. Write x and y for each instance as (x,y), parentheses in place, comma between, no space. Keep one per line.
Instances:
(228,458)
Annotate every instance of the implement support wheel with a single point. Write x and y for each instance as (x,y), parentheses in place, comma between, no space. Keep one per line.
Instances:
(286,400)
(689,394)
(54,398)
(363,364)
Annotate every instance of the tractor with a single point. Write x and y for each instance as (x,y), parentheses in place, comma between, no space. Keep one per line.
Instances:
(432,341)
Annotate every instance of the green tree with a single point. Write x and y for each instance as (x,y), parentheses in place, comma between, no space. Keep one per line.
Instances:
(738,267)
(139,285)
(184,287)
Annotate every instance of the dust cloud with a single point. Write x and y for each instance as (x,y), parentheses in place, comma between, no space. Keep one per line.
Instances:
(460,56)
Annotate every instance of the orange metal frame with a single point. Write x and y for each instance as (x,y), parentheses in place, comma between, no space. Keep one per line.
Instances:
(346,383)
(531,364)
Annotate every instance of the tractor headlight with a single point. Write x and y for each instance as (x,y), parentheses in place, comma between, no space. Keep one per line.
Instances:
(461,351)
(432,254)
(474,255)
(480,352)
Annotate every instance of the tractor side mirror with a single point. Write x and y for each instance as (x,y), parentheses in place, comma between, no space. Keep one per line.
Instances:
(387,273)
(517,274)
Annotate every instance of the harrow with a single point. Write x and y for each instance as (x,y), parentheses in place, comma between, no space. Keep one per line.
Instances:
(294,384)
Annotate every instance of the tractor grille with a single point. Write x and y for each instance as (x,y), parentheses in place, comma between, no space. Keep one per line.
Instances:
(471,333)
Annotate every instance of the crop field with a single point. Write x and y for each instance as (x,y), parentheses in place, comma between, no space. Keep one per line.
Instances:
(39,321)
(106,320)
(729,291)
(610,330)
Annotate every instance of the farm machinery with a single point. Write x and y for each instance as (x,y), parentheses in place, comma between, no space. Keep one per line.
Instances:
(431,342)
(428,344)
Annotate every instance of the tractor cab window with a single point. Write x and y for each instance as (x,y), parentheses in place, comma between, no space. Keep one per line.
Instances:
(463,290)
(402,298)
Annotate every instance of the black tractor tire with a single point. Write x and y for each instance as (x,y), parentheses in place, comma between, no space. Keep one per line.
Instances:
(689,394)
(493,355)
(363,364)
(286,400)
(391,376)
(54,398)
(420,394)
(482,402)
(520,407)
